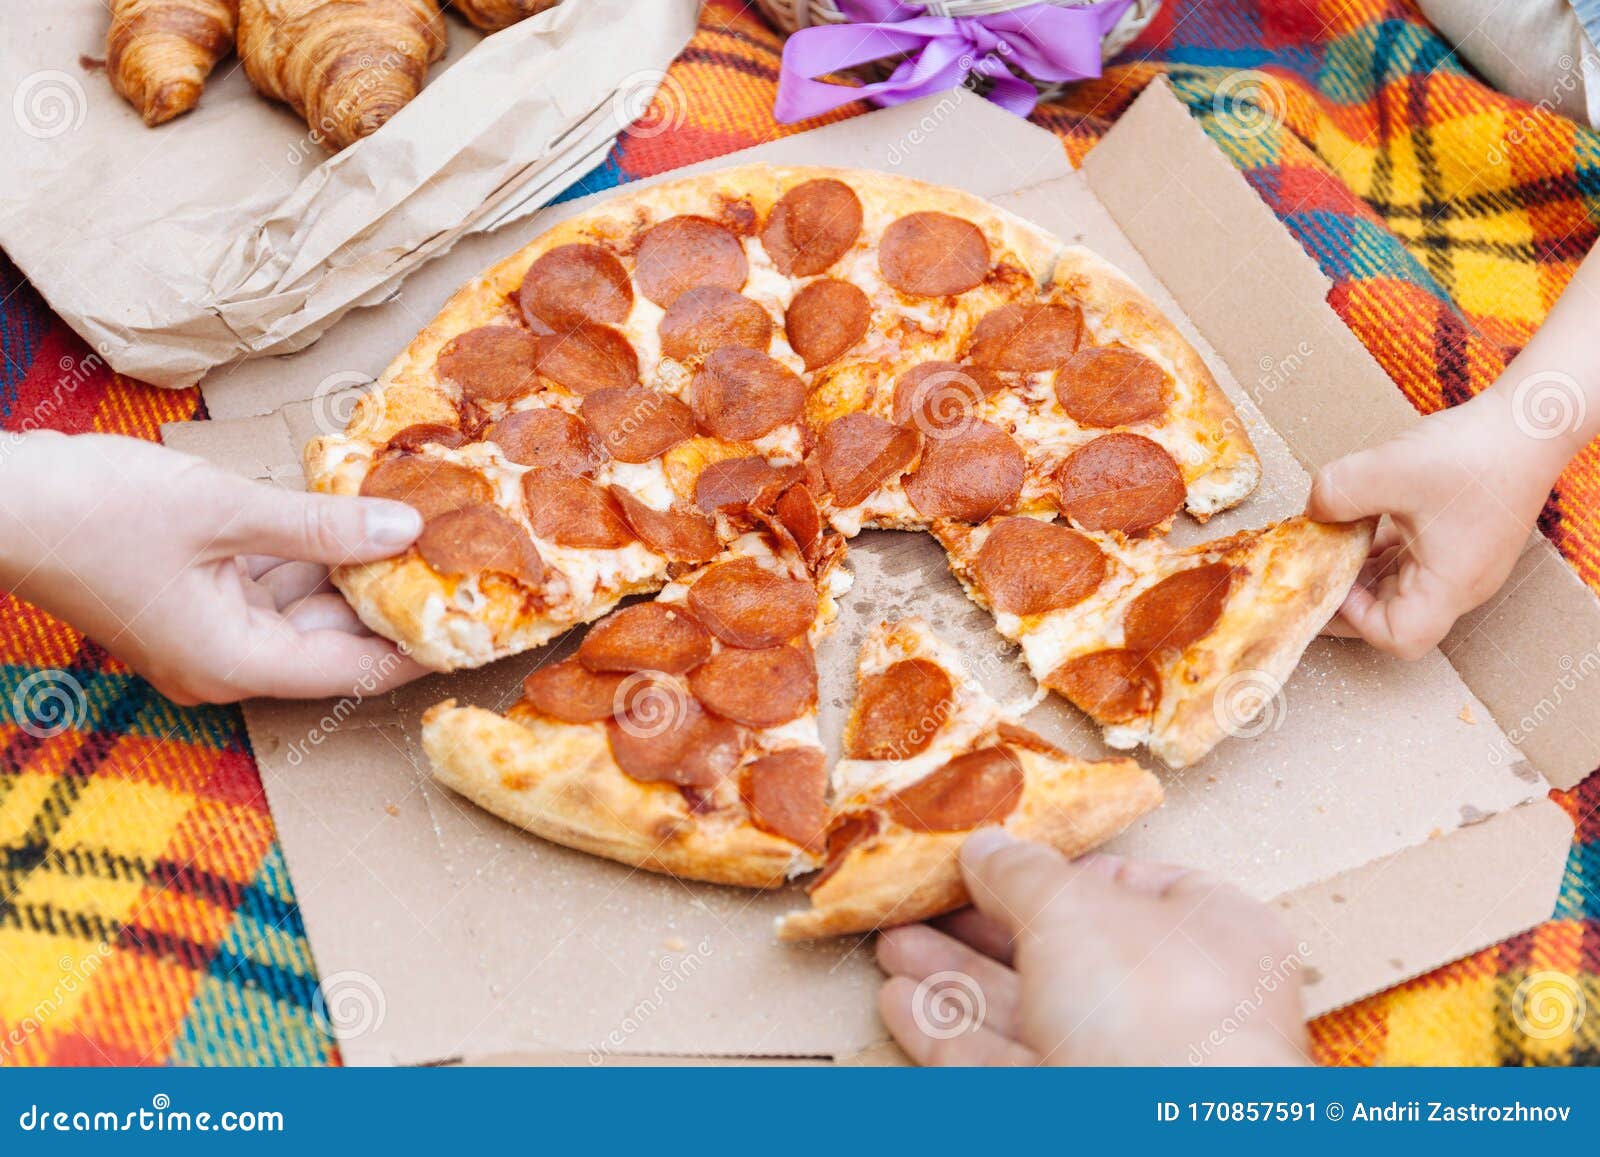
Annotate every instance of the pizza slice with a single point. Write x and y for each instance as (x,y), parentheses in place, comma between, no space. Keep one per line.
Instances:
(1171,648)
(928,758)
(682,736)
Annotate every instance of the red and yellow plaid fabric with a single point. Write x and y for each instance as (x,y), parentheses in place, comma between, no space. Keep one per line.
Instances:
(145,915)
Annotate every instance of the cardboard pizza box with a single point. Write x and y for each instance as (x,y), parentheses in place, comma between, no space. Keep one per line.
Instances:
(1397,814)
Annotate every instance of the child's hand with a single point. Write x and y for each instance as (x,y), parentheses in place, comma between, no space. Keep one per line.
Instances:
(1462,491)
(1097,961)
(213,587)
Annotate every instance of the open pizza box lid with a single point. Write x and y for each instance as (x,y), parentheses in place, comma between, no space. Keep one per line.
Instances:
(1397,814)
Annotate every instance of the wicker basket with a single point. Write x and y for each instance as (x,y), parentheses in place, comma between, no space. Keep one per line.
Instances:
(792,15)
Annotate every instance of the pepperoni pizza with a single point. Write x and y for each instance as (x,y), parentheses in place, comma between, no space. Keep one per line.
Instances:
(928,757)
(701,389)
(682,736)
(1144,637)
(572,420)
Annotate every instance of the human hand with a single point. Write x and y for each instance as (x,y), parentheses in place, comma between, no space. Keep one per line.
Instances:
(1461,492)
(1096,961)
(212,587)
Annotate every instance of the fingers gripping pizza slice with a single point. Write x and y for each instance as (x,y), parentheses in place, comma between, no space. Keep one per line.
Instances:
(1172,648)
(928,758)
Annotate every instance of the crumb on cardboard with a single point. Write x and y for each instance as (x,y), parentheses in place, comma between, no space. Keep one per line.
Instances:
(1466,716)
(392,809)
(673,944)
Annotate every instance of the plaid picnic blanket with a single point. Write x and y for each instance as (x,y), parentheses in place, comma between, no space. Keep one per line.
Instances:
(145,913)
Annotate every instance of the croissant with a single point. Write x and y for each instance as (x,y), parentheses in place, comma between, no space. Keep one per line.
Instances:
(159,52)
(346,66)
(495,14)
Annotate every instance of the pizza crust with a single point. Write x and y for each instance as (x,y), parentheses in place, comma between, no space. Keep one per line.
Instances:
(558,781)
(1303,571)
(904,876)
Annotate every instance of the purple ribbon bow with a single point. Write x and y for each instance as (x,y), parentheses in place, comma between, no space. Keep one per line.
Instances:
(1042,40)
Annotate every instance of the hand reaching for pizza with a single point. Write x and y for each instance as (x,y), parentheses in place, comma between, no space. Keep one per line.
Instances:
(213,587)
(1097,961)
(1462,490)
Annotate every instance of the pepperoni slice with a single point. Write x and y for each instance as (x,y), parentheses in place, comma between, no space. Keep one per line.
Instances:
(587,358)
(812,226)
(825,319)
(707,318)
(899,710)
(646,637)
(941,398)
(546,439)
(1120,482)
(759,688)
(1019,736)
(1026,337)
(1178,610)
(787,794)
(1111,386)
(571,511)
(638,424)
(573,284)
(968,475)
(480,538)
(493,363)
(1115,686)
(860,452)
(661,735)
(980,787)
(570,692)
(681,535)
(742,482)
(741,394)
(432,486)
(844,835)
(797,512)
(684,252)
(744,604)
(933,255)
(1028,567)
(413,438)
